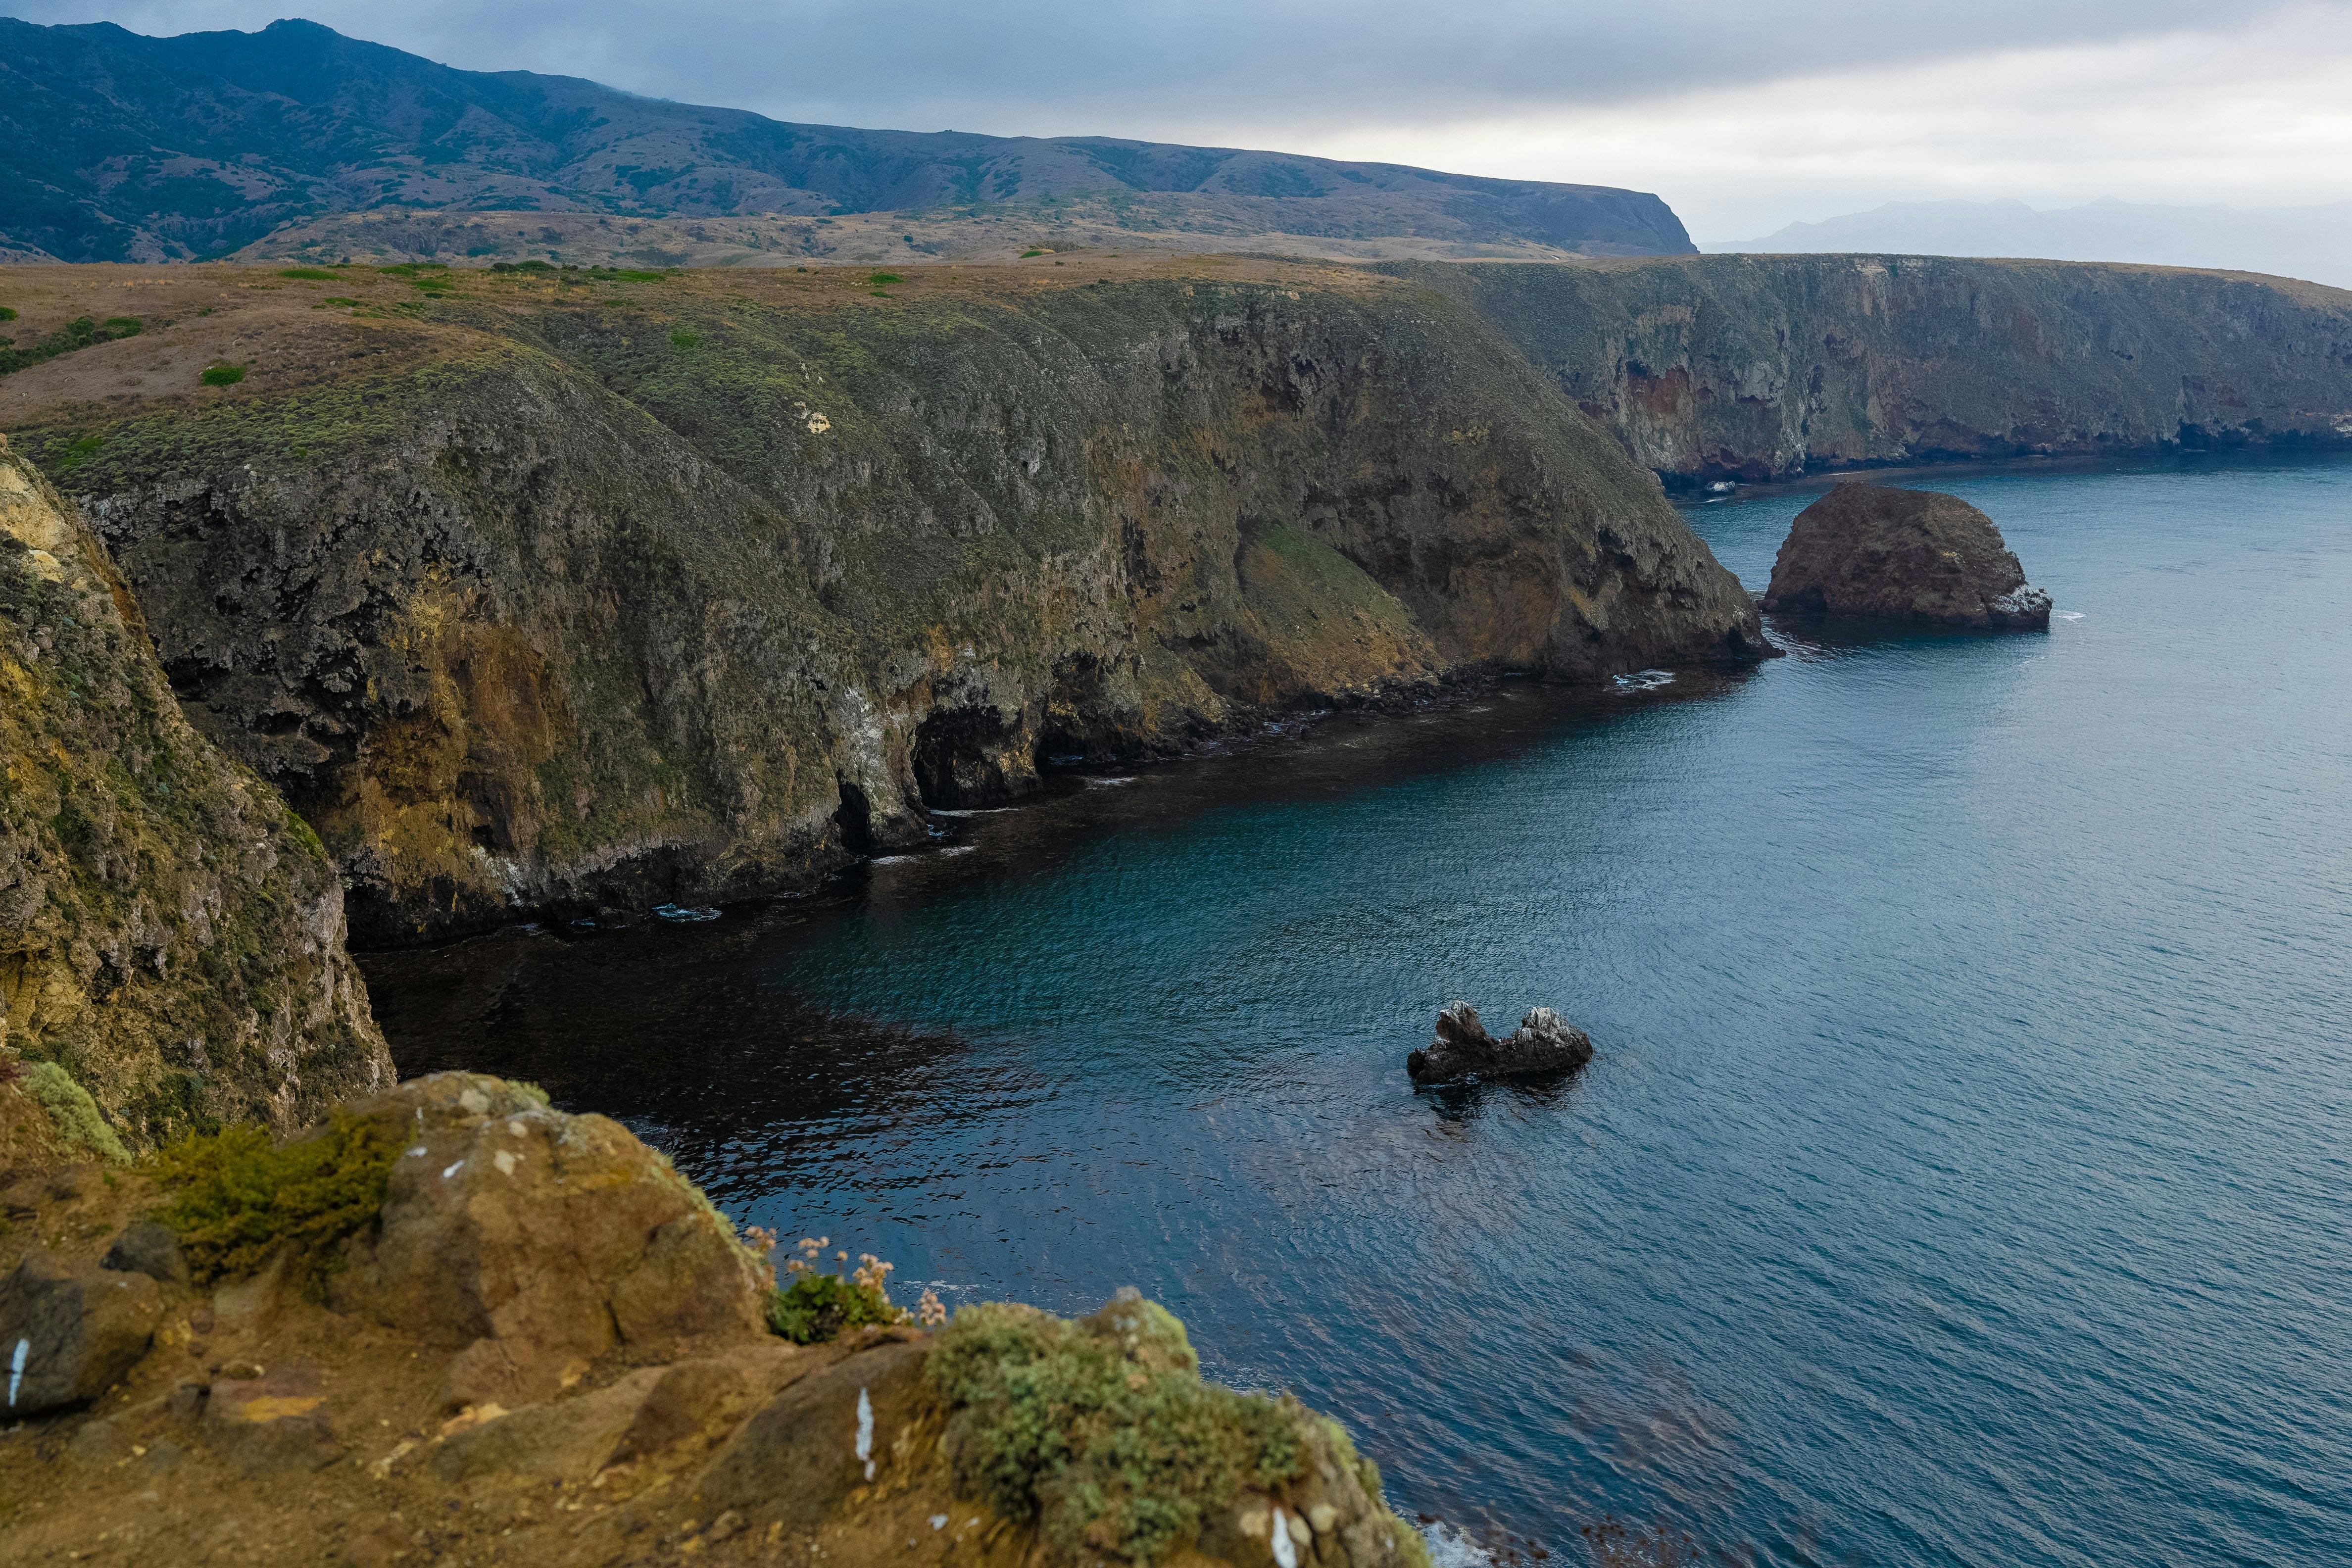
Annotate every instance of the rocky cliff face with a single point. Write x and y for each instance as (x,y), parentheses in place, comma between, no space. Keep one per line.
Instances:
(529,592)
(1758,367)
(171,935)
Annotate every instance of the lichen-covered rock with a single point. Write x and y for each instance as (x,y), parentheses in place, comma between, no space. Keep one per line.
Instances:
(1873,552)
(287,1419)
(171,935)
(643,1416)
(537,1241)
(1543,1043)
(68,1329)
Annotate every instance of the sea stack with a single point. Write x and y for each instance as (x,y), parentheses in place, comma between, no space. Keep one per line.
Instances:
(1463,1048)
(1878,552)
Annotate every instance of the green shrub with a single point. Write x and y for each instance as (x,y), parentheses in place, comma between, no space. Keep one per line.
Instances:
(880,278)
(638,275)
(815,1307)
(75,1114)
(682,338)
(521,267)
(337,299)
(222,374)
(1102,1431)
(237,1198)
(7,313)
(319,274)
(81,451)
(80,334)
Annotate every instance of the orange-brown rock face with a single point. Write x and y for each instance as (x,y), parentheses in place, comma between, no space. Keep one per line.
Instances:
(539,1242)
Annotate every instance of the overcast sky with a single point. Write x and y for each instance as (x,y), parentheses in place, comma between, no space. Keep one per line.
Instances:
(1743,116)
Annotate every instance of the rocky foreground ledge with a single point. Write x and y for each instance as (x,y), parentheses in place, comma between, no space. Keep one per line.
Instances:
(453,1324)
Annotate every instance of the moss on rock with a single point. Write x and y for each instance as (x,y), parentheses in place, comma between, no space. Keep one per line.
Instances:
(74,1112)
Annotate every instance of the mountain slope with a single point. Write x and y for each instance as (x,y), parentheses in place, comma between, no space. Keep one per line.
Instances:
(114,146)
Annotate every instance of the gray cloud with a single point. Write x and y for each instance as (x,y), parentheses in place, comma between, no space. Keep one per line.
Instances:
(1180,68)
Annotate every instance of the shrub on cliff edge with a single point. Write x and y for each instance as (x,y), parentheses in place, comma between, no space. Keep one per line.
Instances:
(1101,1430)
(816,1307)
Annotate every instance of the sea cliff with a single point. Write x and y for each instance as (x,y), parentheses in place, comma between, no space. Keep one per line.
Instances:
(171,935)
(1765,367)
(546,590)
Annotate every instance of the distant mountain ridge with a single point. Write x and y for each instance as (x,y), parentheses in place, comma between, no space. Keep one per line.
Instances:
(2314,243)
(116,146)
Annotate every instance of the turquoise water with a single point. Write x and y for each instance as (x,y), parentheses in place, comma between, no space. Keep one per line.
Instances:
(1963,1174)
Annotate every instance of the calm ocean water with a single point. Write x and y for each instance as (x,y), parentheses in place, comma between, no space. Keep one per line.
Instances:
(1966,1173)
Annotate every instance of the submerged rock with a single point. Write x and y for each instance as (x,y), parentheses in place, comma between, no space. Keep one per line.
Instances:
(1542,1043)
(1874,551)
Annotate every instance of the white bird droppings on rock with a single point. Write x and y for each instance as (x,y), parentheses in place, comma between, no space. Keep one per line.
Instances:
(1285,1551)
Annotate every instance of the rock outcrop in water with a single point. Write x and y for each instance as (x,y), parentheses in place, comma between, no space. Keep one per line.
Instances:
(540,591)
(171,935)
(1463,1048)
(1873,552)
(308,1380)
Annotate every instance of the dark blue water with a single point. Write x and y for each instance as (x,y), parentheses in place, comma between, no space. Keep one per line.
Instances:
(1963,1175)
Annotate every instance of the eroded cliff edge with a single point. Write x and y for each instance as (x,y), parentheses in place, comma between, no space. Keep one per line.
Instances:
(171,935)
(1764,367)
(526,589)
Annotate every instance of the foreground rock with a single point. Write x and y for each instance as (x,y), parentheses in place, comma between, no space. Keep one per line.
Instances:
(1542,1043)
(535,1342)
(1878,552)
